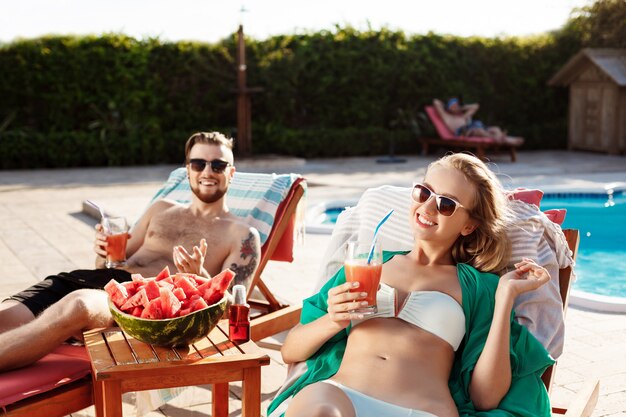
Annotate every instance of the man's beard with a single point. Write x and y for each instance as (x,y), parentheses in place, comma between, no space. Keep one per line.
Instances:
(209,199)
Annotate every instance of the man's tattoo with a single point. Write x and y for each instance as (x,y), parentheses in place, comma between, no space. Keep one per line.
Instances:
(244,272)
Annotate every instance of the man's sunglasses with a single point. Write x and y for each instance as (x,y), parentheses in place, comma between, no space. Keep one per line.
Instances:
(446,206)
(217,165)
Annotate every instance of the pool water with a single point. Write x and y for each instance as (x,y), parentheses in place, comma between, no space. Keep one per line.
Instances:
(601,219)
(330,215)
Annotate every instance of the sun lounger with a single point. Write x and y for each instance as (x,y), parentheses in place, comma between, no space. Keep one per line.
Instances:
(533,234)
(476,144)
(60,383)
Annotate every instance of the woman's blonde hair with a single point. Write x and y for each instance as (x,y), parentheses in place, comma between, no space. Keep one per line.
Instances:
(487,248)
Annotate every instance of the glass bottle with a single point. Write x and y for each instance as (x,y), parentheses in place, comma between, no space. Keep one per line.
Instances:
(239,316)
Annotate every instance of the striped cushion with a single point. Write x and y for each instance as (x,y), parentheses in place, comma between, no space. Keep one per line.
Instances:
(253,197)
(531,233)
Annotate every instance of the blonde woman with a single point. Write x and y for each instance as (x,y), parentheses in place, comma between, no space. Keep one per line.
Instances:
(443,342)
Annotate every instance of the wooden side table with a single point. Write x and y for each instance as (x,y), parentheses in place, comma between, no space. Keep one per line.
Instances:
(121,364)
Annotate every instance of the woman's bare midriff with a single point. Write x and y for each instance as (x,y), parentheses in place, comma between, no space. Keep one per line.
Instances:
(397,362)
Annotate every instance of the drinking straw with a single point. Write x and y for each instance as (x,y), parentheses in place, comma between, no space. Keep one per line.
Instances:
(97,207)
(380,223)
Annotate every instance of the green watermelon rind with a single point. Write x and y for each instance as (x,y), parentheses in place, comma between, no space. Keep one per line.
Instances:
(178,331)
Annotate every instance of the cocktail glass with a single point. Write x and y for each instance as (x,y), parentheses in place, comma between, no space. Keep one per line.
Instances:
(367,274)
(116,230)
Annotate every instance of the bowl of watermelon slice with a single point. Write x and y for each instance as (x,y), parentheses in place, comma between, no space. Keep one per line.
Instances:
(169,310)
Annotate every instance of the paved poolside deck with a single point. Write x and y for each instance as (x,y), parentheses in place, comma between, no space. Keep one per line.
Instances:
(43,231)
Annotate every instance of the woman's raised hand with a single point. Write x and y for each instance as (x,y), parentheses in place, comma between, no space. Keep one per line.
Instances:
(341,301)
(527,276)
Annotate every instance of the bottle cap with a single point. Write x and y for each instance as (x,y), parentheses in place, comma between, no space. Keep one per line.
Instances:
(239,294)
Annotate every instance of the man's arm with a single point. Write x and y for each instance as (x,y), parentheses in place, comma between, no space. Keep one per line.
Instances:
(136,235)
(245,256)
(469,110)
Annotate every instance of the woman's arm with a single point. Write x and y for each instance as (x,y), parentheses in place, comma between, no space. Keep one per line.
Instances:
(491,378)
(306,339)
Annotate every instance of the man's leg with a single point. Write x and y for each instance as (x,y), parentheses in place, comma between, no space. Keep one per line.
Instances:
(78,311)
(14,314)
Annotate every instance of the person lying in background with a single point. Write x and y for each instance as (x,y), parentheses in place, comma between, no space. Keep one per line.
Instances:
(459,119)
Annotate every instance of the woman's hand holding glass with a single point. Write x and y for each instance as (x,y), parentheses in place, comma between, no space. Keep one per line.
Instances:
(341,301)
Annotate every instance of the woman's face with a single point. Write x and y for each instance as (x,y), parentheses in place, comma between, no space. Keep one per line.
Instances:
(428,223)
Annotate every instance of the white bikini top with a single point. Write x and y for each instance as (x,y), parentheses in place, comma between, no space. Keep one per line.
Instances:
(433,311)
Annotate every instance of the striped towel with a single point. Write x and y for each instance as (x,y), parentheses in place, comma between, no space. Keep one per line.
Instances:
(253,197)
(531,233)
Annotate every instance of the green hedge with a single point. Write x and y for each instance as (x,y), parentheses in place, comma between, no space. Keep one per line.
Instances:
(115,100)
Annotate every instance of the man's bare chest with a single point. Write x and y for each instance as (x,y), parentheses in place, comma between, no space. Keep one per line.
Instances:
(170,229)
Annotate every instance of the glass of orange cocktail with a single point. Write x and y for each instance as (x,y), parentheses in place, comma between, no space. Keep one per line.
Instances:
(116,230)
(364,263)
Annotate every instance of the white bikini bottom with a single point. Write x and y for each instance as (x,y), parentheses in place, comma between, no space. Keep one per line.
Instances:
(366,406)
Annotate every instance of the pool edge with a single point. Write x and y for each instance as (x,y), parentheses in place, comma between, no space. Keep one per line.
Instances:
(597,302)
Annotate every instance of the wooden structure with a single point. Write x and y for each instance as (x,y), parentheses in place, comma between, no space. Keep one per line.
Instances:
(244,112)
(121,364)
(274,316)
(587,397)
(597,102)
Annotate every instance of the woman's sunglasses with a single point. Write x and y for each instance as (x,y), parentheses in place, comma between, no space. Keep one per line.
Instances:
(217,165)
(446,206)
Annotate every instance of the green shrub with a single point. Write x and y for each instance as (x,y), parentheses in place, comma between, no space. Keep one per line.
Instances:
(115,100)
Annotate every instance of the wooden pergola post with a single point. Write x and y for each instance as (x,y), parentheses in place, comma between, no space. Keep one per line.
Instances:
(244,118)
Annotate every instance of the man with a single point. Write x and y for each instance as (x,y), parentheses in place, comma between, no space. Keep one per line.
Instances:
(459,120)
(37,320)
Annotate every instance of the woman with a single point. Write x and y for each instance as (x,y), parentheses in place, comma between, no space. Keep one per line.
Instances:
(433,350)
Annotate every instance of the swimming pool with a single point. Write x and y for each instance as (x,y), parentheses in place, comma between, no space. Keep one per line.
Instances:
(601,219)
(601,262)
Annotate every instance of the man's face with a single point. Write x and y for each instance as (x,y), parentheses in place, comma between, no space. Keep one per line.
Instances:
(203,168)
(454,108)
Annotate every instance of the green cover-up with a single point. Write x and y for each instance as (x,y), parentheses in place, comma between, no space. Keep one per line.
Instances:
(527,396)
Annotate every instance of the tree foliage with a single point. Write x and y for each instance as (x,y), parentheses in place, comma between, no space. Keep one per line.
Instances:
(601,24)
(112,99)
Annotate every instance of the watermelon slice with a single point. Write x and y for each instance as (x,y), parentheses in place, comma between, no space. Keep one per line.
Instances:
(137,277)
(131,287)
(187,286)
(179,293)
(200,280)
(139,299)
(198,304)
(152,289)
(154,310)
(218,287)
(165,273)
(117,292)
(170,305)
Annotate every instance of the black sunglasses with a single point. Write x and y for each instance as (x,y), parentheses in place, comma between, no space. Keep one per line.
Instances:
(217,165)
(446,206)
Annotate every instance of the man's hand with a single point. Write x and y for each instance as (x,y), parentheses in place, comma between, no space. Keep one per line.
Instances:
(100,246)
(190,263)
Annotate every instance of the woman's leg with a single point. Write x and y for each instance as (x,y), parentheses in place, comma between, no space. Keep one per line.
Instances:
(321,400)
